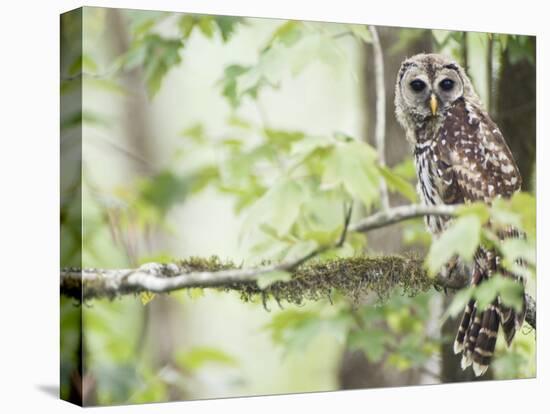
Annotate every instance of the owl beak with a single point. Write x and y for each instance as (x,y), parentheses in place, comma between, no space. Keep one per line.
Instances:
(433,104)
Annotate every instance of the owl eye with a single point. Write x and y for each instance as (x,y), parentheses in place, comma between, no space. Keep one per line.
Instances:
(417,85)
(447,84)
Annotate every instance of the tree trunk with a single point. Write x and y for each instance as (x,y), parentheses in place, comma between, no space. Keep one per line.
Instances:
(516,112)
(355,370)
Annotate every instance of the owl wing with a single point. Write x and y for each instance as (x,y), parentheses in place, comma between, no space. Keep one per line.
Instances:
(473,159)
(475,164)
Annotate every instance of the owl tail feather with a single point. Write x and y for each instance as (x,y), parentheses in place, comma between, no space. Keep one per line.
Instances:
(478,330)
(511,321)
(477,335)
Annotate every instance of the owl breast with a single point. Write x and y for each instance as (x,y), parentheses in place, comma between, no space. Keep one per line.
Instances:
(462,158)
(429,186)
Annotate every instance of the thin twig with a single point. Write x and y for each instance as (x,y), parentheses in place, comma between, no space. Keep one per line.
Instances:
(347,219)
(401,213)
(380,129)
(490,93)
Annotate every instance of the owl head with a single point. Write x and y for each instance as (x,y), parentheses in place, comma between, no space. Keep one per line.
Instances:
(427,85)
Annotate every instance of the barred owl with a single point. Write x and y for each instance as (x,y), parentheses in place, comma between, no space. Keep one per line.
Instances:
(460,157)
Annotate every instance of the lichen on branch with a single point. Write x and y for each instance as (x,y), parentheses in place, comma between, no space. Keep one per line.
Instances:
(352,276)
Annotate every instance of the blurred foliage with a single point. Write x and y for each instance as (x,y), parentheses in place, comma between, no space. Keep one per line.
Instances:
(394,330)
(293,46)
(292,190)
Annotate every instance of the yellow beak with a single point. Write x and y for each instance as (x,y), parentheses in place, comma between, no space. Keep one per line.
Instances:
(433,104)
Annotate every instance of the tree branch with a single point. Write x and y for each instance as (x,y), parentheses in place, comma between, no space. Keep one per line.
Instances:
(397,214)
(167,277)
(353,276)
(311,280)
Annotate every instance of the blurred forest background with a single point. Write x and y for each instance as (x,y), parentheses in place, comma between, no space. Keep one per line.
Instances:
(243,138)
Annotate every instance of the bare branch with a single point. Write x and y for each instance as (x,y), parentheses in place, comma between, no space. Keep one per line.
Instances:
(380,129)
(397,214)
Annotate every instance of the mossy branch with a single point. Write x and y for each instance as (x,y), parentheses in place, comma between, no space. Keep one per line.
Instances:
(153,277)
(310,279)
(353,277)
(313,280)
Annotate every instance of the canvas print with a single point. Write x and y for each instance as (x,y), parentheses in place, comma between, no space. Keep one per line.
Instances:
(263,206)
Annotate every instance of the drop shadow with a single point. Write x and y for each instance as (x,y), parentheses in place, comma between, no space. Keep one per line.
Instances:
(50,389)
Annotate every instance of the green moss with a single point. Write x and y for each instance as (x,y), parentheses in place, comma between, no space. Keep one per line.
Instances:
(352,277)
(201,264)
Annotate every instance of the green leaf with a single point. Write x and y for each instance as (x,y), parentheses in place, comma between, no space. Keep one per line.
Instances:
(514,249)
(199,357)
(405,169)
(107,85)
(229,83)
(315,47)
(307,145)
(227,25)
(503,216)
(301,249)
(520,212)
(414,232)
(289,49)
(195,132)
(396,183)
(361,32)
(186,24)
(373,342)
(486,293)
(461,238)
(82,63)
(441,36)
(195,293)
(478,209)
(157,55)
(525,205)
(142,22)
(279,207)
(295,329)
(281,138)
(238,122)
(163,190)
(146,297)
(352,165)
(268,279)
(509,291)
(460,300)
(287,34)
(206,25)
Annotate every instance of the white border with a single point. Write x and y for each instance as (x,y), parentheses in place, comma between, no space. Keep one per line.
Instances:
(29,214)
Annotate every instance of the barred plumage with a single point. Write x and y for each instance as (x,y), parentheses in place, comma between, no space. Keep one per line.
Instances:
(460,157)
